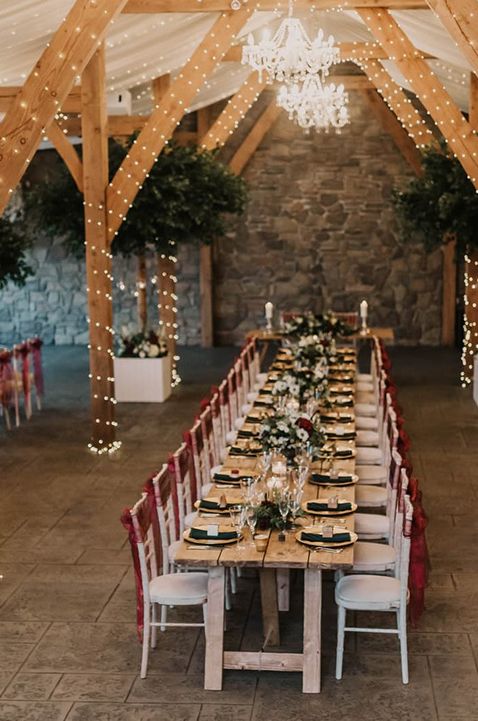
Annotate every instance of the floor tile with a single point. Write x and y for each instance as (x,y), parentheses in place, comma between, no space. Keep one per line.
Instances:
(33,710)
(31,686)
(238,688)
(136,712)
(93,687)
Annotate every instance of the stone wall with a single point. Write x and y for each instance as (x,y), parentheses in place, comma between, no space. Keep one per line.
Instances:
(320,233)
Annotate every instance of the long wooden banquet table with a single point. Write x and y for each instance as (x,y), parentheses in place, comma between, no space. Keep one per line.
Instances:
(279,557)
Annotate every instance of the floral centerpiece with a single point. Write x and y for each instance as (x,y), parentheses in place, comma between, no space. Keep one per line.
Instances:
(289,433)
(314,324)
(311,350)
(302,383)
(142,345)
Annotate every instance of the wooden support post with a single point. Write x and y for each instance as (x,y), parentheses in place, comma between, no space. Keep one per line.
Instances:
(68,153)
(442,108)
(256,135)
(460,18)
(164,119)
(48,85)
(203,121)
(448,317)
(98,257)
(193,6)
(205,289)
(233,113)
(391,125)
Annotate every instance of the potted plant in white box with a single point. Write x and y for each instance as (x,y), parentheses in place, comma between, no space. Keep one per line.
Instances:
(142,368)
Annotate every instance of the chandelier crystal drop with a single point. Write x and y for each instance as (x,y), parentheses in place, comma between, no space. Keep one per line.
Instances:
(314,104)
(290,56)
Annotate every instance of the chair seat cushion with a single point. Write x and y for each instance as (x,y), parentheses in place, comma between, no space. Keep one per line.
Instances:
(371,496)
(367,438)
(366,423)
(239,422)
(368,592)
(190,518)
(365,377)
(231,437)
(252,395)
(371,525)
(364,387)
(245,410)
(369,456)
(372,474)
(366,409)
(179,589)
(373,557)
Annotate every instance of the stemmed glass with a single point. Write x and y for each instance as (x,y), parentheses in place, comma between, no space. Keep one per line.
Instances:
(302,471)
(283,503)
(238,520)
(295,500)
(251,518)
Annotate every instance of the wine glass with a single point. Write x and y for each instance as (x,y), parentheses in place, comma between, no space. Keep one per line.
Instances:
(295,501)
(251,518)
(238,521)
(264,462)
(283,503)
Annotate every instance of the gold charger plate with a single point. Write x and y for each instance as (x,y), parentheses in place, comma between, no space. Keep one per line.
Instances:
(215,511)
(332,512)
(210,541)
(328,543)
(330,482)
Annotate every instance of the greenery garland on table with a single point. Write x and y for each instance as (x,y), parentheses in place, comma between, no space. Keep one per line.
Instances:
(440,204)
(310,324)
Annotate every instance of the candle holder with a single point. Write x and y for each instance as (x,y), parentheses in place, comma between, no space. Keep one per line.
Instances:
(364,330)
(269,325)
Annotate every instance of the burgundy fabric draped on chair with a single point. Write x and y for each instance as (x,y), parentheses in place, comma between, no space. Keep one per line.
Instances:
(419,557)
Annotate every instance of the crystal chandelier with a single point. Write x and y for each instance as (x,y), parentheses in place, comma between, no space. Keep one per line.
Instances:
(314,104)
(290,56)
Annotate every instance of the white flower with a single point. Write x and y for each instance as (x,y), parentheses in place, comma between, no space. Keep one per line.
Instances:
(281,426)
(142,354)
(302,435)
(153,351)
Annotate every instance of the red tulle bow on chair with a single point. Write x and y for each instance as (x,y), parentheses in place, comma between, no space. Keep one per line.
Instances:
(419,558)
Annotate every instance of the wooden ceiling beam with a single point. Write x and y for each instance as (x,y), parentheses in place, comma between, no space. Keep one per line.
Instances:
(237,106)
(48,85)
(398,102)
(460,18)
(67,152)
(395,129)
(201,6)
(473,102)
(426,86)
(167,115)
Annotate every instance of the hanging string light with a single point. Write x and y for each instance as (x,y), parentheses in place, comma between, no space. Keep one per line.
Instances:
(314,104)
(290,56)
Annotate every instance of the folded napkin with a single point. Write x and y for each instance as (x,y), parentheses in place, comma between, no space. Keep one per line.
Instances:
(236,451)
(201,534)
(253,419)
(325,478)
(345,453)
(246,434)
(343,402)
(335,419)
(323,506)
(226,477)
(316,537)
(349,436)
(266,391)
(261,404)
(205,505)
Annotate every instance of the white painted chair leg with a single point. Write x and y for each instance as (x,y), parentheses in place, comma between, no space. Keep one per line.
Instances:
(154,629)
(339,662)
(164,617)
(145,654)
(402,635)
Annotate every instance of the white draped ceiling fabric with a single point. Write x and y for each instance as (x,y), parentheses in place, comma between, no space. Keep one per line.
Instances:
(142,47)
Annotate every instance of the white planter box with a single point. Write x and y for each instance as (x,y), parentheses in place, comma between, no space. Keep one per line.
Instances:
(142,380)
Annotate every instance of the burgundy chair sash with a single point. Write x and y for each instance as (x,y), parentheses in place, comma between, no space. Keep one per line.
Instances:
(419,557)
(6,378)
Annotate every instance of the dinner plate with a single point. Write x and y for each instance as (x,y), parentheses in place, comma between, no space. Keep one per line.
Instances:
(330,482)
(330,512)
(210,541)
(328,543)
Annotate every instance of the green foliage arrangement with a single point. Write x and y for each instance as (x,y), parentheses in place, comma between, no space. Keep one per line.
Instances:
(13,246)
(184,199)
(440,204)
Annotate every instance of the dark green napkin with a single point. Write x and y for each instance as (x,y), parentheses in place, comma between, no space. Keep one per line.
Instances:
(343,454)
(227,478)
(341,436)
(261,404)
(321,506)
(348,403)
(253,419)
(236,451)
(333,419)
(200,534)
(246,434)
(213,505)
(336,538)
(325,478)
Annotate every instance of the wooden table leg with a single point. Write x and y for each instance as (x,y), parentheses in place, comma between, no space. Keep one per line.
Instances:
(283,588)
(270,612)
(312,630)
(215,629)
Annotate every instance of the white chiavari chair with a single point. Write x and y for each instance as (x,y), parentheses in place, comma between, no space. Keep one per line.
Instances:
(376,526)
(387,594)
(161,589)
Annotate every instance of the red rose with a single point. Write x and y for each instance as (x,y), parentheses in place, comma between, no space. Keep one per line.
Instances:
(306,425)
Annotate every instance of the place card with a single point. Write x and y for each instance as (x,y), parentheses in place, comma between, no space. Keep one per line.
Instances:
(327,531)
(212,530)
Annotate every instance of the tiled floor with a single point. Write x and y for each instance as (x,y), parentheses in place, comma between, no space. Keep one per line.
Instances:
(68,648)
